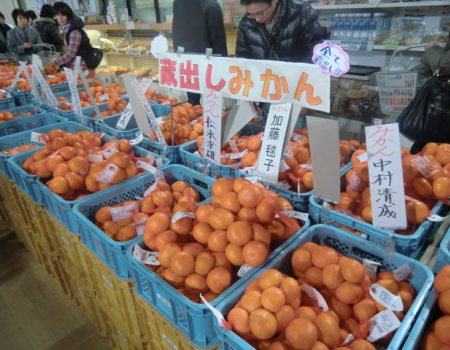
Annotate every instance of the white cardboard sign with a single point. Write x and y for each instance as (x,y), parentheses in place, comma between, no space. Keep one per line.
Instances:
(386,176)
(212,110)
(249,80)
(323,137)
(43,83)
(272,146)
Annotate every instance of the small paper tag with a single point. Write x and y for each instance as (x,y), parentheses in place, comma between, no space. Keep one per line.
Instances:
(314,294)
(362,157)
(181,214)
(354,182)
(390,246)
(296,137)
(140,230)
(104,97)
(108,173)
(94,158)
(386,298)
(37,138)
(109,151)
(159,162)
(295,214)
(402,272)
(150,157)
(233,146)
(146,166)
(348,340)
(251,170)
(125,117)
(220,319)
(437,218)
(234,155)
(137,140)
(124,212)
(243,270)
(371,267)
(307,166)
(382,324)
(146,257)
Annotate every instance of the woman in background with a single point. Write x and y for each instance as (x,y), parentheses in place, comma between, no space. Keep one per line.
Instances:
(48,29)
(23,39)
(31,15)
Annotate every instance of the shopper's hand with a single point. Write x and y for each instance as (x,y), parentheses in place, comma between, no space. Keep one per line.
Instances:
(27,45)
(256,108)
(53,62)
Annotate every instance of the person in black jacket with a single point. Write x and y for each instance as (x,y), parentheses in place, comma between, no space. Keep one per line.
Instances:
(48,29)
(281,30)
(4,28)
(196,26)
(31,15)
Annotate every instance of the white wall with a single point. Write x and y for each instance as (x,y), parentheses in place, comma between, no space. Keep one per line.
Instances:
(6,8)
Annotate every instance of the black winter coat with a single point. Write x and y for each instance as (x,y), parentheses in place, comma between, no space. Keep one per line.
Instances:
(198,25)
(292,38)
(4,28)
(49,33)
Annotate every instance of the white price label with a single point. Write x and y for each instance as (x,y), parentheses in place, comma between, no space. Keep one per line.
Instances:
(216,313)
(371,267)
(109,151)
(243,270)
(362,157)
(94,158)
(233,146)
(314,294)
(348,340)
(108,173)
(382,324)
(235,155)
(104,97)
(140,230)
(124,212)
(150,157)
(437,218)
(180,215)
(37,138)
(146,257)
(307,166)
(159,162)
(137,140)
(422,164)
(295,214)
(386,298)
(402,272)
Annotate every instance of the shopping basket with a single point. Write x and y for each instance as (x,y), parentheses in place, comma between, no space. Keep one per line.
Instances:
(46,55)
(397,88)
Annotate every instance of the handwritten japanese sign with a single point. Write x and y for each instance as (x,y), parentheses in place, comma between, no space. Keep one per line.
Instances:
(331,59)
(73,91)
(43,84)
(386,176)
(272,146)
(249,80)
(212,110)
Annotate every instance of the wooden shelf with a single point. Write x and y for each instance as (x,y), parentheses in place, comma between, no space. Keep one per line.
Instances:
(377,5)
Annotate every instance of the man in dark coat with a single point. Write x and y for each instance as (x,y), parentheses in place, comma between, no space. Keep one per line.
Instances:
(281,30)
(196,26)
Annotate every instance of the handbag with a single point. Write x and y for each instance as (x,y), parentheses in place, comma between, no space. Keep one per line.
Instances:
(427,117)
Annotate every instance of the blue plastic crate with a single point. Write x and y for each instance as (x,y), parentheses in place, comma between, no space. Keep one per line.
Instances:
(443,257)
(195,161)
(27,123)
(31,108)
(194,320)
(108,125)
(113,253)
(23,98)
(7,103)
(429,313)
(62,209)
(409,245)
(27,182)
(348,245)
(18,133)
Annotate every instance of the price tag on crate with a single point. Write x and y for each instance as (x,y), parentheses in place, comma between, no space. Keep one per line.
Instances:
(108,173)
(243,270)
(37,138)
(386,298)
(146,257)
(109,151)
(371,267)
(180,215)
(124,212)
(402,272)
(125,117)
(136,141)
(382,324)
(75,97)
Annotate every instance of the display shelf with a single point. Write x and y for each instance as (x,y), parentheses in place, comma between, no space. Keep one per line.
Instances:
(378,5)
(137,26)
(400,47)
